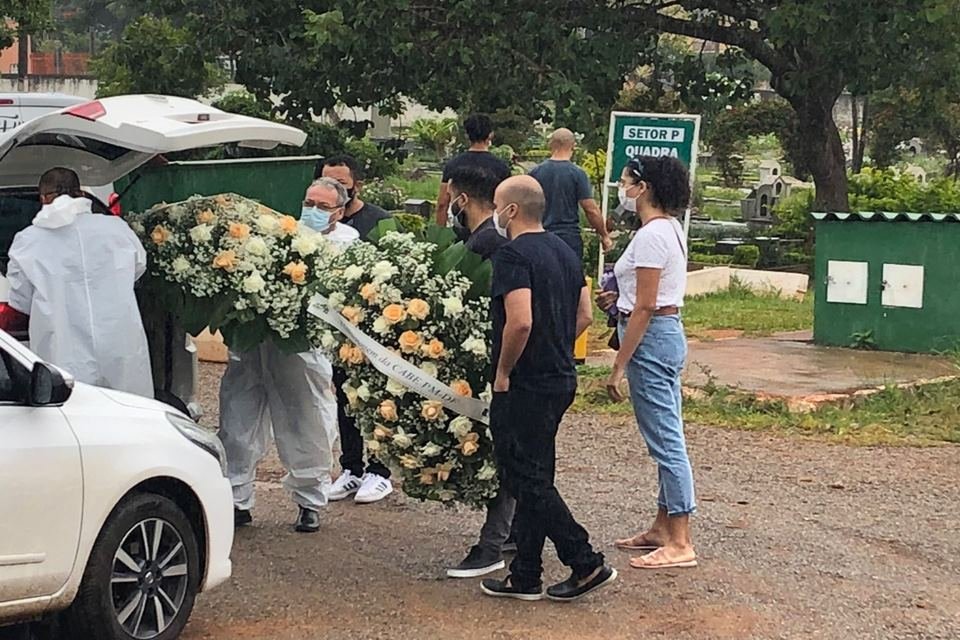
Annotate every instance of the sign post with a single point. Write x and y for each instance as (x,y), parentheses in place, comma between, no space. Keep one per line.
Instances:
(649,134)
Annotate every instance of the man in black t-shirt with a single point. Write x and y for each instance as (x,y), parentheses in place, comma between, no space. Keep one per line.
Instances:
(479,129)
(358,214)
(540,304)
(371,482)
(471,202)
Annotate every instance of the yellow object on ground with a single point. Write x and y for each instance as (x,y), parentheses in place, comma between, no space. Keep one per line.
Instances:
(580,346)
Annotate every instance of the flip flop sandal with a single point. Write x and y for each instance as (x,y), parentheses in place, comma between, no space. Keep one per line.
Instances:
(629,545)
(637,563)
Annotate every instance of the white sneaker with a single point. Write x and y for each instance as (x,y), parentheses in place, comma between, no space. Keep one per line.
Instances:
(344,487)
(373,489)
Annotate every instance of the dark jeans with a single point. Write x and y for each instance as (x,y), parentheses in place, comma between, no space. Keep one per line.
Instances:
(499,522)
(524,426)
(573,238)
(351,440)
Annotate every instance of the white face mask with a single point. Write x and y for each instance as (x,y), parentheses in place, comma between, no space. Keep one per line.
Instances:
(502,230)
(628,203)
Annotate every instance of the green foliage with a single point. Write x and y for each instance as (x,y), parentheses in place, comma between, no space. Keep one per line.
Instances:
(28,16)
(883,190)
(863,340)
(375,163)
(411,222)
(746,255)
(595,164)
(504,152)
(706,258)
(740,308)
(383,194)
(244,103)
(154,56)
(793,215)
(732,130)
(435,134)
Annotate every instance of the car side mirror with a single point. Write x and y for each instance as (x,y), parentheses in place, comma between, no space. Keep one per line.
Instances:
(48,388)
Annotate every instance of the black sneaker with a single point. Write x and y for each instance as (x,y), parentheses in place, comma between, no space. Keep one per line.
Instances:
(308,522)
(241,517)
(574,588)
(509,545)
(479,562)
(506,589)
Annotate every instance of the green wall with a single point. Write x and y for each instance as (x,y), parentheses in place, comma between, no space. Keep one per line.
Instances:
(933,245)
(278,183)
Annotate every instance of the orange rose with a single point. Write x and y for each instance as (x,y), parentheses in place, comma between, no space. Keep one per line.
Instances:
(388,411)
(394,313)
(369,292)
(427,476)
(468,444)
(226,260)
(432,410)
(159,235)
(410,341)
(443,471)
(418,309)
(434,349)
(297,272)
(288,224)
(462,388)
(409,462)
(353,314)
(381,432)
(222,200)
(206,217)
(351,354)
(239,231)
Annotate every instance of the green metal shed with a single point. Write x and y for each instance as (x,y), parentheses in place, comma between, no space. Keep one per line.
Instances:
(888,280)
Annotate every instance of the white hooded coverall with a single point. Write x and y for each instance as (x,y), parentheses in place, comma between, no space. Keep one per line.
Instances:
(295,395)
(73,273)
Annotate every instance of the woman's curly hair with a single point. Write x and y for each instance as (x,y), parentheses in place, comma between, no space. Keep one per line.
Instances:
(668,178)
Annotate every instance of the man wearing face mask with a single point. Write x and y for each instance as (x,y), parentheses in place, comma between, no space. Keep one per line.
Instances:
(471,200)
(73,273)
(362,216)
(292,393)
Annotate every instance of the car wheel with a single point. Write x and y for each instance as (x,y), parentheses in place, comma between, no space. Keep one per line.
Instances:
(142,577)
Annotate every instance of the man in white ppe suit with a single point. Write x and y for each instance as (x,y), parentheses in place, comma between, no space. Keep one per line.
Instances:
(292,393)
(73,272)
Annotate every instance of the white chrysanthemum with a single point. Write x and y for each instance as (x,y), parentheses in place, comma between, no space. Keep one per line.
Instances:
(305,245)
(180,265)
(430,369)
(327,341)
(402,440)
(460,426)
(336,300)
(452,307)
(201,233)
(395,388)
(353,272)
(256,246)
(254,283)
(430,450)
(487,472)
(382,271)
(268,224)
(475,346)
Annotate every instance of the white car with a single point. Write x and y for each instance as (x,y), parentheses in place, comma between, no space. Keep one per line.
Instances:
(114,509)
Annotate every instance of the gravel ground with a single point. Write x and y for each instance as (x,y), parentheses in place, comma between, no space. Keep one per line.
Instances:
(796,539)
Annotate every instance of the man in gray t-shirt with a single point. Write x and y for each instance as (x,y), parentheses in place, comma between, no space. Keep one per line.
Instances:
(567,189)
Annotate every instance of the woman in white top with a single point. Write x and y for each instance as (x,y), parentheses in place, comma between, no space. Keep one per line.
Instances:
(651,277)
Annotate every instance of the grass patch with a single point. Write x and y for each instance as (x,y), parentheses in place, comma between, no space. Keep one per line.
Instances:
(730,194)
(926,415)
(425,189)
(739,308)
(724,212)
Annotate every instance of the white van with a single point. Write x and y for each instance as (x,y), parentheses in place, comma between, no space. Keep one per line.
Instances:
(17,108)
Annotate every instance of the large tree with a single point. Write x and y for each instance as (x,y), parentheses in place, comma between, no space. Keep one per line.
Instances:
(814,49)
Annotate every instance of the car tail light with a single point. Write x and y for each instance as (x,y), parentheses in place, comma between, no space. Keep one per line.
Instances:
(6,102)
(12,320)
(88,110)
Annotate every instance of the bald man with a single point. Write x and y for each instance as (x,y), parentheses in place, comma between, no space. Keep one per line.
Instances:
(567,190)
(540,304)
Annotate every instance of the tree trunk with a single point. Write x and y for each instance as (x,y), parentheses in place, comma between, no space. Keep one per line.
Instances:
(855,119)
(23,59)
(864,131)
(819,140)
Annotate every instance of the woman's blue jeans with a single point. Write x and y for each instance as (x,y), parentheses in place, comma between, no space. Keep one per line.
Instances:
(654,378)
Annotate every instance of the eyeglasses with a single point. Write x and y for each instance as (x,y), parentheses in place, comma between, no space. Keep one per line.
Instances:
(320,205)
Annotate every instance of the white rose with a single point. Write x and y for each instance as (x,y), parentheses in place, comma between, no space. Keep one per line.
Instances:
(373,446)
(382,271)
(268,224)
(180,265)
(430,450)
(487,472)
(304,245)
(327,341)
(353,272)
(381,326)
(452,307)
(460,426)
(475,346)
(487,394)
(395,388)
(363,392)
(253,283)
(430,369)
(351,394)
(256,247)
(336,301)
(201,233)
(402,440)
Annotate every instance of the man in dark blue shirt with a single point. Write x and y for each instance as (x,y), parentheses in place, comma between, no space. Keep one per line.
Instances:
(567,190)
(540,304)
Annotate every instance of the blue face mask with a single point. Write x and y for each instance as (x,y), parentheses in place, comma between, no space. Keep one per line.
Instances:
(315,218)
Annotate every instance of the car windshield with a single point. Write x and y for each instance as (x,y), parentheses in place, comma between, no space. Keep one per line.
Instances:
(103,149)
